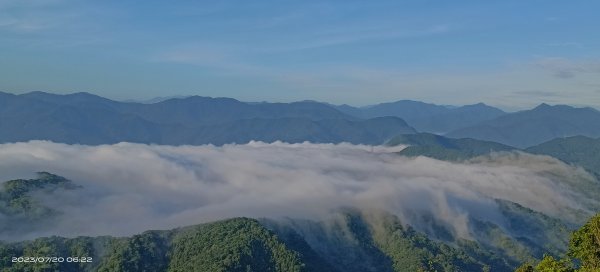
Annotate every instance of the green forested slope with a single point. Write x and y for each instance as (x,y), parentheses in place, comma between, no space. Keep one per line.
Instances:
(443,148)
(348,240)
(577,150)
(583,254)
(20,210)
(243,244)
(239,244)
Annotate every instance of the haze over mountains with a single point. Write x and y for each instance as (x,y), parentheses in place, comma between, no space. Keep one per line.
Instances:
(535,126)
(508,189)
(89,119)
(426,117)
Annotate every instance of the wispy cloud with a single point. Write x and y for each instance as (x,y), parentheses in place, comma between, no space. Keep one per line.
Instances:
(539,93)
(52,24)
(568,68)
(517,86)
(30,16)
(343,36)
(566,44)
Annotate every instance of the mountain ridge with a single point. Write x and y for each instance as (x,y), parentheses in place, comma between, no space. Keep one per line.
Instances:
(427,117)
(84,118)
(531,127)
(443,148)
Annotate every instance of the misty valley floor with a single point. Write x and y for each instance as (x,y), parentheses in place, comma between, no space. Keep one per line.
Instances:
(320,207)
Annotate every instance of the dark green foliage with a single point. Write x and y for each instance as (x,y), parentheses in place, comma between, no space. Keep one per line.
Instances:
(525,268)
(144,252)
(584,249)
(536,231)
(491,261)
(7,252)
(353,241)
(442,148)
(495,239)
(547,264)
(550,264)
(17,203)
(15,193)
(49,247)
(523,237)
(344,241)
(413,251)
(585,245)
(370,256)
(232,245)
(534,234)
(313,261)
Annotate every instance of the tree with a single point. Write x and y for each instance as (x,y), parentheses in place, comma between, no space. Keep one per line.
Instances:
(585,245)
(584,248)
(549,264)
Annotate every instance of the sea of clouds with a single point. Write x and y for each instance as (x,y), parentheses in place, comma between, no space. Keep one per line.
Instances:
(129,188)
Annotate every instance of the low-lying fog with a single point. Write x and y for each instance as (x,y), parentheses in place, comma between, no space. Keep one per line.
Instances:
(129,188)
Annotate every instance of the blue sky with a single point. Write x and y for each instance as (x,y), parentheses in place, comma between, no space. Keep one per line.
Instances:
(512,54)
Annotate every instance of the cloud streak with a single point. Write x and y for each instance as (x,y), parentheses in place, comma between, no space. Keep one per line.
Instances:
(567,68)
(129,188)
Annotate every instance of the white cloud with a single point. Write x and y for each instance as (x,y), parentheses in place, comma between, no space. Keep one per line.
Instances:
(129,188)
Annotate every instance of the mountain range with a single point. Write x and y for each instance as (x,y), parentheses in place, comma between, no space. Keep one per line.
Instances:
(581,151)
(426,117)
(479,121)
(83,118)
(243,244)
(532,127)
(351,239)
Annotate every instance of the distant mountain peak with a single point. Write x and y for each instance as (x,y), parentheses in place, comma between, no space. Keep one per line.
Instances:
(531,127)
(479,105)
(68,99)
(6,94)
(547,107)
(427,117)
(47,94)
(196,98)
(82,94)
(309,101)
(542,106)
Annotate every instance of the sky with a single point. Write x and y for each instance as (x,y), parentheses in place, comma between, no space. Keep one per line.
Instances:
(513,54)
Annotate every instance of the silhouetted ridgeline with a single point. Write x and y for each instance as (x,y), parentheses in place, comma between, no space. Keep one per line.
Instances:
(83,118)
